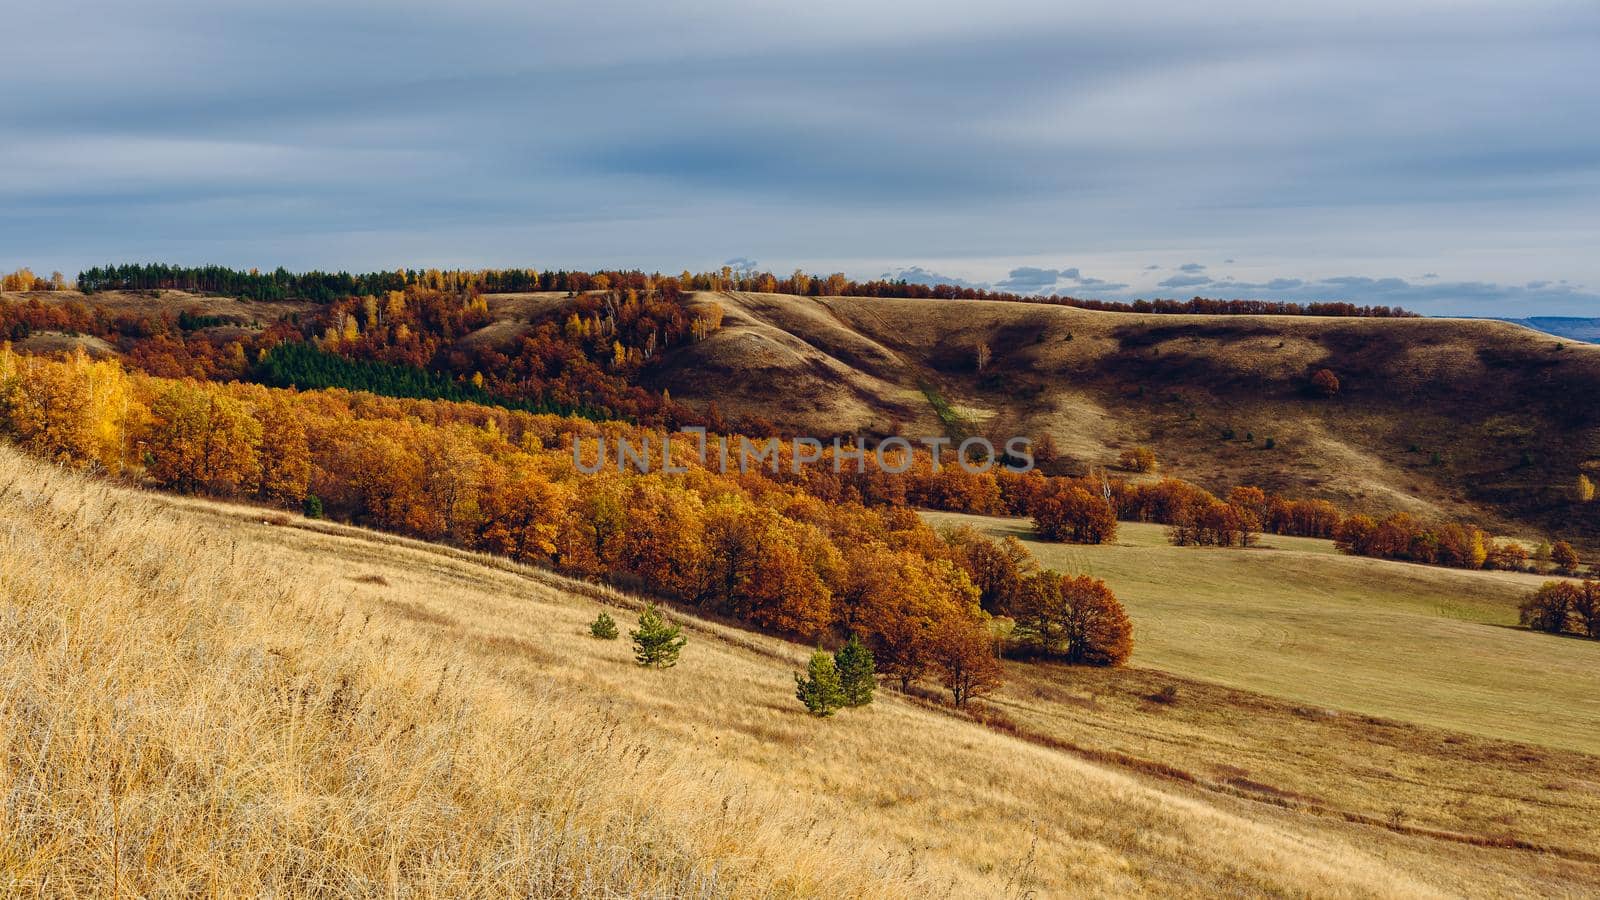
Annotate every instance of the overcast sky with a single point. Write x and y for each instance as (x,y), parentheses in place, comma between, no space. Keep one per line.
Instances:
(1440,155)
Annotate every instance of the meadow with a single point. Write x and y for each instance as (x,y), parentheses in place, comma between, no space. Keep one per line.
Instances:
(1293,618)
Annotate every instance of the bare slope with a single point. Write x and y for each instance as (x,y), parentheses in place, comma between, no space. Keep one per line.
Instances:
(400,716)
(1437,416)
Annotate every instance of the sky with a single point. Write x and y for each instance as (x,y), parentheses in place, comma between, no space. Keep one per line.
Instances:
(1443,156)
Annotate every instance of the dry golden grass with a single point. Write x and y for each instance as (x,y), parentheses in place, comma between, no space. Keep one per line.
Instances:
(203,698)
(54,342)
(1381,690)
(156,303)
(180,716)
(1296,620)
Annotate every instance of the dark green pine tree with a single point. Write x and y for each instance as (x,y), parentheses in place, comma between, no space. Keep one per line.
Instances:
(857,672)
(656,642)
(819,689)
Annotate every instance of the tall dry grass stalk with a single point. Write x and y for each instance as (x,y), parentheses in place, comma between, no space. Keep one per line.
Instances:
(176,717)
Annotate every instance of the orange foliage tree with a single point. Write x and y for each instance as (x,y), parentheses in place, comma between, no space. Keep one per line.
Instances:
(1070,513)
(1076,618)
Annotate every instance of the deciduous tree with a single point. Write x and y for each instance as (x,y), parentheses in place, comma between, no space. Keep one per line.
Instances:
(1071,514)
(1564,557)
(963,652)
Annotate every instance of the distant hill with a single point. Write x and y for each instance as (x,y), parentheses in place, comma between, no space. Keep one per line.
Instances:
(1443,418)
(1486,420)
(1575,327)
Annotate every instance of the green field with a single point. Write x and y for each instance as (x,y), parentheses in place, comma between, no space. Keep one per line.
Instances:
(1297,620)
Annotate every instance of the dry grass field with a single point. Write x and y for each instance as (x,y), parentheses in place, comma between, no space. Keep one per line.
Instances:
(155,302)
(1293,619)
(1394,692)
(203,698)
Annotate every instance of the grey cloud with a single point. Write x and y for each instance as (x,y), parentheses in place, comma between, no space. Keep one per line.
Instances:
(1436,297)
(919,275)
(1185,281)
(336,134)
(1029,279)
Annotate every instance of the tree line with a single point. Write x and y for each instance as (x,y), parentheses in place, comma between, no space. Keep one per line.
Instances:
(323,287)
(1086,510)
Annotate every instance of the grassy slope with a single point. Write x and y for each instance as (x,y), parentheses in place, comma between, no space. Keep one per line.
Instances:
(180,710)
(1294,619)
(1382,691)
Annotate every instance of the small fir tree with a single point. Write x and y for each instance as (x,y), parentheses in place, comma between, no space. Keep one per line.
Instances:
(819,688)
(603,627)
(857,672)
(656,642)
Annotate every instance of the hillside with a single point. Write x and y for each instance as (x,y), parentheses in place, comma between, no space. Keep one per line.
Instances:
(1472,419)
(258,700)
(1297,620)
(1440,417)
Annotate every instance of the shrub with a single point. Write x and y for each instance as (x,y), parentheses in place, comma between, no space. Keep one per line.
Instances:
(1138,459)
(656,642)
(857,672)
(603,627)
(1166,696)
(1324,383)
(313,506)
(820,689)
(1584,489)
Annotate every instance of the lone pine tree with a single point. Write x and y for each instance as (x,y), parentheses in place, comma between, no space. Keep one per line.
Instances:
(656,642)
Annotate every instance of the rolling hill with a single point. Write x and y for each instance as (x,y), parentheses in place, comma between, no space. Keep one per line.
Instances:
(1440,417)
(256,701)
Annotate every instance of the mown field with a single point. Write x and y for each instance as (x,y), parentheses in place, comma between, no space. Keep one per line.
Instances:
(1294,619)
(259,703)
